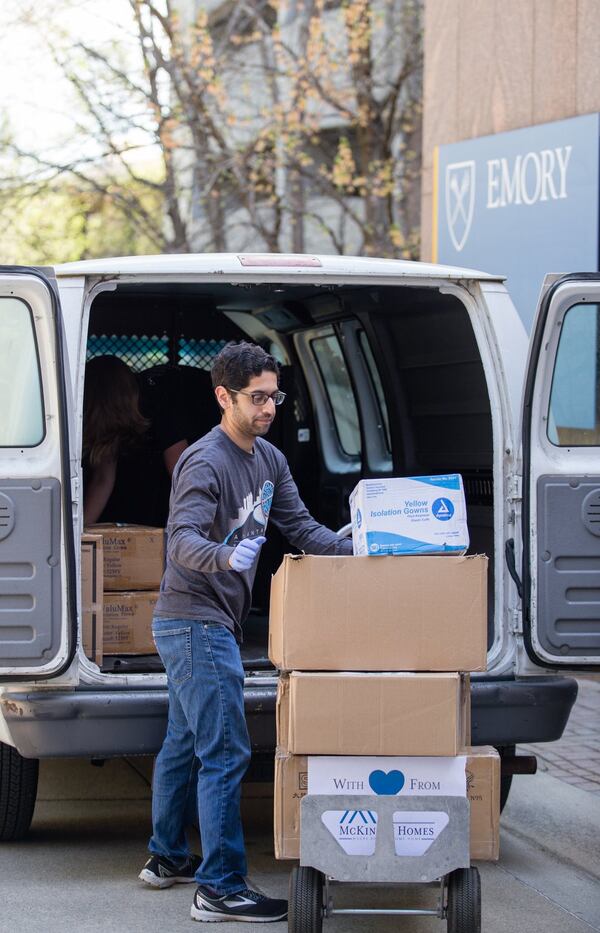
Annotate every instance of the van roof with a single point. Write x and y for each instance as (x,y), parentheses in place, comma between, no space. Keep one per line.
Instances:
(264,263)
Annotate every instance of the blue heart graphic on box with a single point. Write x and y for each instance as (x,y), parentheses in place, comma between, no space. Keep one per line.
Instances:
(390,783)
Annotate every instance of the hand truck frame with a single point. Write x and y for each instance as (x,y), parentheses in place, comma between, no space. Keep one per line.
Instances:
(444,865)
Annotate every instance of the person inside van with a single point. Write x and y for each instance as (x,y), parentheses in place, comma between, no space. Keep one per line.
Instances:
(226,487)
(129,450)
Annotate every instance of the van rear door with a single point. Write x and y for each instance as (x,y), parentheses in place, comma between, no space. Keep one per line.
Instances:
(37,578)
(561,476)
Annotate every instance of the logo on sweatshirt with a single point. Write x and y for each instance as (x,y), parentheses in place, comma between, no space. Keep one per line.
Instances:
(266,498)
(252,516)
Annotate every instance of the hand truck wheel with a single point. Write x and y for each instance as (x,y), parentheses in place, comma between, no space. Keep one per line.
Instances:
(305,908)
(464,901)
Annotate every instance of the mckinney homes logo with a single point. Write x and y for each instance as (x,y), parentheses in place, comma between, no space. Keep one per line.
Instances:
(355,831)
(414,832)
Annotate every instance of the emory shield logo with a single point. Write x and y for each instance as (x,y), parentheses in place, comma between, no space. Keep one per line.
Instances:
(460,201)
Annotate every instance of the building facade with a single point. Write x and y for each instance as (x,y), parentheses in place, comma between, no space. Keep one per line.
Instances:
(315,145)
(510,138)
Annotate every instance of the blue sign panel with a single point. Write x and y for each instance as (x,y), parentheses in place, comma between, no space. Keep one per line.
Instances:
(522,204)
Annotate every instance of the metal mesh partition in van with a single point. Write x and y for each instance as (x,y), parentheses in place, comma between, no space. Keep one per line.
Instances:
(144,352)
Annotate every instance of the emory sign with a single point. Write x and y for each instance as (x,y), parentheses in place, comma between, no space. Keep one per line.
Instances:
(529,178)
(521,204)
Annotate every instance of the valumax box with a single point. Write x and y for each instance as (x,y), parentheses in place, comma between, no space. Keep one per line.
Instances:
(134,556)
(426,613)
(409,515)
(373,714)
(476,772)
(128,622)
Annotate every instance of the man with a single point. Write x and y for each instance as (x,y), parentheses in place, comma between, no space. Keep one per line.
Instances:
(226,486)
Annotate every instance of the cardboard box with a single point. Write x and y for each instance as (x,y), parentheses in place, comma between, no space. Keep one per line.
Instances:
(483,791)
(409,515)
(134,556)
(482,766)
(394,614)
(91,596)
(128,623)
(372,714)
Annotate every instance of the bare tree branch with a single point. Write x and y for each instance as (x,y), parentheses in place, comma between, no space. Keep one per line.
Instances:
(269,123)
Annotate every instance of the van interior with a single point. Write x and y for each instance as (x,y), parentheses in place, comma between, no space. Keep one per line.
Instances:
(380,380)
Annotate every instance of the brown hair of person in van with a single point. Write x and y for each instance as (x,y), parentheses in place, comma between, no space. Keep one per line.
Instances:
(237,363)
(112,420)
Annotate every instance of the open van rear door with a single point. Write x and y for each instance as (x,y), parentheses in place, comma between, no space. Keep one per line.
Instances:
(561,476)
(37,578)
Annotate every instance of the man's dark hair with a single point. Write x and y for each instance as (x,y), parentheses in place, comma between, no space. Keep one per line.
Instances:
(237,363)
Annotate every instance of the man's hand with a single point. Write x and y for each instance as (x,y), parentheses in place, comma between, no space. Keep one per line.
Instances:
(245,553)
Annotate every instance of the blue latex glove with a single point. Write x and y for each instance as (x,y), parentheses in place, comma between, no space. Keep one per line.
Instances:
(246,553)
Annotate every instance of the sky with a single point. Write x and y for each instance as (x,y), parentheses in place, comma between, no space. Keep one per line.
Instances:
(35,98)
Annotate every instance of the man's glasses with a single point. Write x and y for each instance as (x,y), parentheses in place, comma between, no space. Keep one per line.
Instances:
(260,398)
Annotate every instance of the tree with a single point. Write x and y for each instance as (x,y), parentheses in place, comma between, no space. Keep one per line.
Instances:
(253,124)
(60,219)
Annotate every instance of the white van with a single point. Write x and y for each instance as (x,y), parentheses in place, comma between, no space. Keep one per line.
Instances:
(390,368)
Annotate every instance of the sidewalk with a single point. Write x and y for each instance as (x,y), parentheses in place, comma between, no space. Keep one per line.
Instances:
(575,758)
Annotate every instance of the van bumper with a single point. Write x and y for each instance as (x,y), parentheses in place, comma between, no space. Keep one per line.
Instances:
(107,724)
(95,723)
(509,711)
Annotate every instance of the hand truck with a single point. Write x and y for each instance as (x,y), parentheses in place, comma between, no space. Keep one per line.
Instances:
(398,833)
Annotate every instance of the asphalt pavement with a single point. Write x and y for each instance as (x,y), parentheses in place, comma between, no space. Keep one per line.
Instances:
(77,870)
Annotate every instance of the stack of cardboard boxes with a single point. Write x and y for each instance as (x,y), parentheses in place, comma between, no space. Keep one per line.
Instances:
(122,566)
(374,695)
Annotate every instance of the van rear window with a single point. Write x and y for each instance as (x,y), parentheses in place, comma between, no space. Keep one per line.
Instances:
(574,410)
(21,402)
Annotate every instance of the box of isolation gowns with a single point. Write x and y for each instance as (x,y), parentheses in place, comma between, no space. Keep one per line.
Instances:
(409,515)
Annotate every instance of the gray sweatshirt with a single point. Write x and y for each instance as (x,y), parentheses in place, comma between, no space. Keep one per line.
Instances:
(221,495)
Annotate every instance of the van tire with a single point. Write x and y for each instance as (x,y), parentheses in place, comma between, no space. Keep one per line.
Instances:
(18,790)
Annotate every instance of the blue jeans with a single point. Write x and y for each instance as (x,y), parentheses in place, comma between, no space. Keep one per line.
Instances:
(206,725)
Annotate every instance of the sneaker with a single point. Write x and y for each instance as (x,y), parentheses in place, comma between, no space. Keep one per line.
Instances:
(243,905)
(161,872)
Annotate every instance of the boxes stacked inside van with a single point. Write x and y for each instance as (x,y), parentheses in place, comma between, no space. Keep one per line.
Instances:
(374,696)
(132,562)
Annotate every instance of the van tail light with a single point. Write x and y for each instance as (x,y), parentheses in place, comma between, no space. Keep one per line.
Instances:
(279,260)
